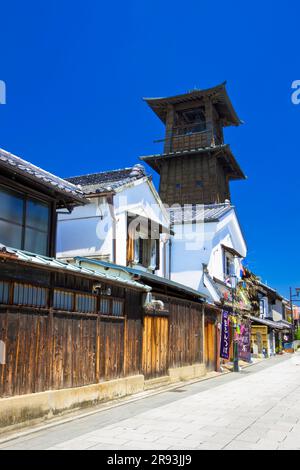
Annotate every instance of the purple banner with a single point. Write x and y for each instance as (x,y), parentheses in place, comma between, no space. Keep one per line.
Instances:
(245,342)
(225,339)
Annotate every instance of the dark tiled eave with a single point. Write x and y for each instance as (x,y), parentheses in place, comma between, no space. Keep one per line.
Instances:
(26,170)
(223,151)
(108,181)
(220,98)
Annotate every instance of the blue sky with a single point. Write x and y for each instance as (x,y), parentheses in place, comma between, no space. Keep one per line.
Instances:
(76,72)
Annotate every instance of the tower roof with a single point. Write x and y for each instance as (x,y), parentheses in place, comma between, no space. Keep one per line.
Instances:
(223,152)
(218,94)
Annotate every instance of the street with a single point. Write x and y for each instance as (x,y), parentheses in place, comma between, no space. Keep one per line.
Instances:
(256,409)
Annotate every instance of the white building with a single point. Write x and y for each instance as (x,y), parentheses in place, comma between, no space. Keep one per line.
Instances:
(123,223)
(207,247)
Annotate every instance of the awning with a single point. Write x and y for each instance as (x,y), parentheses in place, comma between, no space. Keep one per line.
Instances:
(271,324)
(156,224)
(232,251)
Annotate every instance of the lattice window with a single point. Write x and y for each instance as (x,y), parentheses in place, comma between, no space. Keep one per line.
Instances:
(85,303)
(105,306)
(117,308)
(4,292)
(25,294)
(63,300)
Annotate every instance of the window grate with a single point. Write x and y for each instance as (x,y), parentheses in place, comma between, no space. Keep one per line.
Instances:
(117,308)
(28,295)
(4,293)
(63,300)
(105,306)
(85,303)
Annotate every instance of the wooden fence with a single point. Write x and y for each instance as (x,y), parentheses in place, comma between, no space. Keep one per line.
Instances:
(58,334)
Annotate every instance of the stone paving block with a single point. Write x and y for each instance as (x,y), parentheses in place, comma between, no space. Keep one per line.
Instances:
(210,446)
(290,419)
(275,435)
(249,436)
(284,427)
(221,438)
(289,445)
(141,445)
(187,443)
(265,444)
(239,445)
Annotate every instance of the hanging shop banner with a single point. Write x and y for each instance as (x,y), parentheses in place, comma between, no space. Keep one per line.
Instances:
(245,342)
(225,340)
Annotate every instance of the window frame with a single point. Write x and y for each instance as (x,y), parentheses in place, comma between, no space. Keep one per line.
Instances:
(111,299)
(144,248)
(27,197)
(228,261)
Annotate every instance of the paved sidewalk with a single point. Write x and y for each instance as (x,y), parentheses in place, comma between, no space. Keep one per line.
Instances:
(256,409)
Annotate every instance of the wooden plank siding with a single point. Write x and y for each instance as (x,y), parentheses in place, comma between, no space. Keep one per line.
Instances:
(155,346)
(211,345)
(185,334)
(51,349)
(181,331)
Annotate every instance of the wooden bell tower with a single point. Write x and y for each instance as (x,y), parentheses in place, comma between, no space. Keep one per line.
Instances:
(196,165)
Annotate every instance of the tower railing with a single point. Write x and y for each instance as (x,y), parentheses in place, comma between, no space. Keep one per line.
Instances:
(191,136)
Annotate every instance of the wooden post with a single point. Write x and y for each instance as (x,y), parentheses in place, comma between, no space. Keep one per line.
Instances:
(50,362)
(98,340)
(203,334)
(125,352)
(209,122)
(169,128)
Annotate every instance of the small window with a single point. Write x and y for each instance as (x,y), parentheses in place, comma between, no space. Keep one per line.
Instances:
(229,265)
(63,300)
(24,222)
(85,303)
(199,184)
(105,306)
(29,295)
(117,308)
(4,293)
(146,253)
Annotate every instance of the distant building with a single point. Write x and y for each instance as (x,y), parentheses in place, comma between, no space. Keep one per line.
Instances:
(195,170)
(207,248)
(196,166)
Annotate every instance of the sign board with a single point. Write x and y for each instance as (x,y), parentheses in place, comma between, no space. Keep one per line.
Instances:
(245,342)
(259,336)
(225,336)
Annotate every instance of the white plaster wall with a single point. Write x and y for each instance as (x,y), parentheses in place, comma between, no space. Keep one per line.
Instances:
(277,311)
(87,231)
(139,199)
(192,247)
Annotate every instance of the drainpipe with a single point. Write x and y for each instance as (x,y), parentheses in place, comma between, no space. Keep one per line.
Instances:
(170,257)
(111,206)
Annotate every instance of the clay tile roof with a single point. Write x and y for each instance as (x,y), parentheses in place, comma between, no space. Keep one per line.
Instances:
(108,181)
(199,213)
(36,174)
